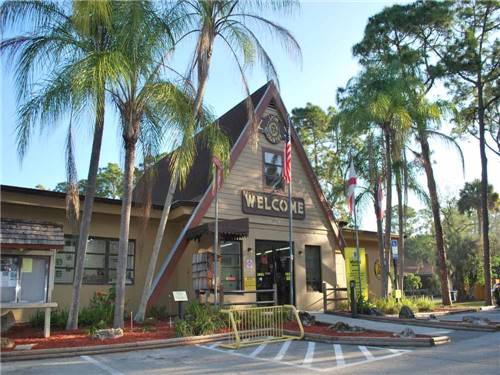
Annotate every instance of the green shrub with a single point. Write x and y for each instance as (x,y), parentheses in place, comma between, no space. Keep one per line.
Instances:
(58,319)
(424,304)
(96,327)
(412,282)
(101,308)
(159,312)
(364,305)
(183,329)
(200,319)
(391,306)
(387,305)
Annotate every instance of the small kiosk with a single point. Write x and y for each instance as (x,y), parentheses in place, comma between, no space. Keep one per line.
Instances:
(28,265)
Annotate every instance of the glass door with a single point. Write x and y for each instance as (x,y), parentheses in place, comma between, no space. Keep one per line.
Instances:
(272,259)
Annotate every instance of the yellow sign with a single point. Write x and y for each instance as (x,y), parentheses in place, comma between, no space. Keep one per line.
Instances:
(250,283)
(27,266)
(397,293)
(353,270)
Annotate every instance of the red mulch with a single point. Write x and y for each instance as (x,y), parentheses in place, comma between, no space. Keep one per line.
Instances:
(64,339)
(322,329)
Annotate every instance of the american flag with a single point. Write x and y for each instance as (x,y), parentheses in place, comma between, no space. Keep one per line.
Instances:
(287,164)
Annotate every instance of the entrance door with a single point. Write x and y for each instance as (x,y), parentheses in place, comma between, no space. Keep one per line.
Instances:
(272,259)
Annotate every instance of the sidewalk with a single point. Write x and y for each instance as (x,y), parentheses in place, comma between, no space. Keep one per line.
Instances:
(491,314)
(381,326)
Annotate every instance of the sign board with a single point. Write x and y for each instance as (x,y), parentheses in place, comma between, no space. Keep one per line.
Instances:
(180,296)
(249,263)
(353,270)
(394,247)
(267,204)
(250,283)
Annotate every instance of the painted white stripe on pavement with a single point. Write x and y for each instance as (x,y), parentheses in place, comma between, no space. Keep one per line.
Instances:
(283,350)
(310,353)
(366,352)
(339,356)
(101,365)
(256,352)
(291,364)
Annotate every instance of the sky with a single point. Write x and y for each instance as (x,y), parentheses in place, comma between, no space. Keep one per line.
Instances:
(326,32)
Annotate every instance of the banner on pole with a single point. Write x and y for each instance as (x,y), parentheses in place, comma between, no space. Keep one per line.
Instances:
(394,248)
(352,267)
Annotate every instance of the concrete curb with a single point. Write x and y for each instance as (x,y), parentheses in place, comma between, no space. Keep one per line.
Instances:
(378,341)
(110,348)
(424,323)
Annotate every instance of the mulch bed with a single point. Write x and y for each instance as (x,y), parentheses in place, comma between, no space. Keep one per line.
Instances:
(322,329)
(23,335)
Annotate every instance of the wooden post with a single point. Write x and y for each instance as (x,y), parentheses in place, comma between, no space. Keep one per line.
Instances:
(46,328)
(324,298)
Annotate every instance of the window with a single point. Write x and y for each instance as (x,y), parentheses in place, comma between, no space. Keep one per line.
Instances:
(24,279)
(313,268)
(100,262)
(273,169)
(230,273)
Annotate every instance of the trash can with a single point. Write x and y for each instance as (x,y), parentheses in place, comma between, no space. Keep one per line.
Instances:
(453,295)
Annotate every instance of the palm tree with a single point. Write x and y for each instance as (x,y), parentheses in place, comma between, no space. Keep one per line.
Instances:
(229,21)
(425,115)
(376,97)
(80,34)
(470,200)
(149,105)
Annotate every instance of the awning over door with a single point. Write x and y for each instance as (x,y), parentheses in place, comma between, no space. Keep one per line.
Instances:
(228,230)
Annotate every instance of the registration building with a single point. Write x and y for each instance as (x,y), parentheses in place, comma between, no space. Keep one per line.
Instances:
(253,227)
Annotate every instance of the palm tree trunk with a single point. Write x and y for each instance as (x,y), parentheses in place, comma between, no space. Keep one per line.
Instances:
(202,80)
(90,190)
(141,312)
(484,198)
(438,227)
(121,271)
(399,191)
(380,237)
(388,207)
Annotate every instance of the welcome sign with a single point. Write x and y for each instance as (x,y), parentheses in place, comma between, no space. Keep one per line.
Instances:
(267,204)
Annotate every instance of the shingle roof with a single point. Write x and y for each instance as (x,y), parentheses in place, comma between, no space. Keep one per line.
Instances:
(232,124)
(31,232)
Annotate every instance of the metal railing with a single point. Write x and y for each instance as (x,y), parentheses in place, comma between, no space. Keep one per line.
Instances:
(256,325)
(328,292)
(272,302)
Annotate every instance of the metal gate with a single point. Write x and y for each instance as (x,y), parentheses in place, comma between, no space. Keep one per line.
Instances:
(256,325)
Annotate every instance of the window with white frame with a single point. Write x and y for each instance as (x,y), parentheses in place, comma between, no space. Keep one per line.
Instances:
(24,279)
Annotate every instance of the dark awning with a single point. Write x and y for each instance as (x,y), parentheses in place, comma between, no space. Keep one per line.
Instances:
(228,230)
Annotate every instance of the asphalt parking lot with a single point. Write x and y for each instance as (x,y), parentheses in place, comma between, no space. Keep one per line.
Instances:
(468,353)
(281,357)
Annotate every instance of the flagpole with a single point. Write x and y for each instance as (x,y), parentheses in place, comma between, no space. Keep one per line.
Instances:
(290,218)
(357,246)
(216,235)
